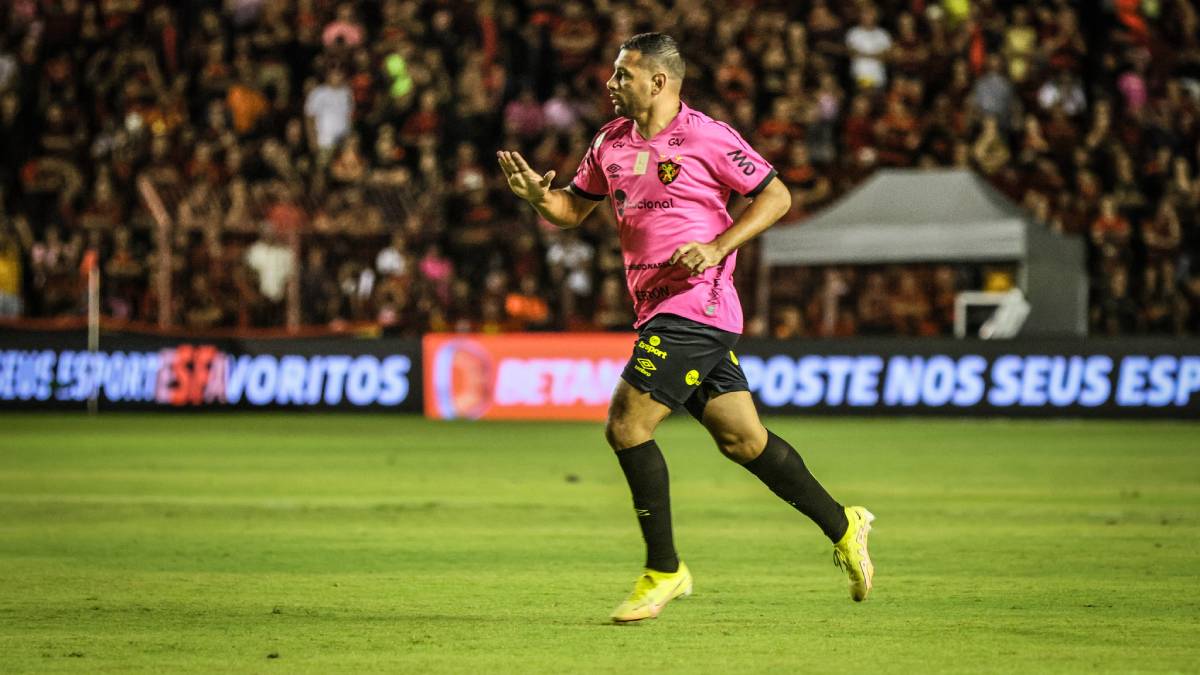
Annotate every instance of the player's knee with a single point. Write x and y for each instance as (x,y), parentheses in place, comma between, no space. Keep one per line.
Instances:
(622,432)
(740,447)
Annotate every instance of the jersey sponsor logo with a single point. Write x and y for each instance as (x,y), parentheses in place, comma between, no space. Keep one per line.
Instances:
(651,349)
(668,171)
(658,293)
(637,267)
(651,204)
(742,161)
(675,142)
(621,204)
(692,377)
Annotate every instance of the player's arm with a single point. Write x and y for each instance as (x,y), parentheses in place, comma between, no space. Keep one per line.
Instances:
(562,207)
(766,208)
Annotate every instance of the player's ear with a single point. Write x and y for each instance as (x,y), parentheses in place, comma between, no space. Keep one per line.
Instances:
(658,82)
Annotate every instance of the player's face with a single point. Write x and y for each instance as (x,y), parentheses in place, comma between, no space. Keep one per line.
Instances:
(630,85)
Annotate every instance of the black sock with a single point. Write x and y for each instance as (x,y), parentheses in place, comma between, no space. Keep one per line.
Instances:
(780,468)
(646,472)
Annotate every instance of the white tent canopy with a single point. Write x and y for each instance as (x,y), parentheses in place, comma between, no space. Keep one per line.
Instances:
(906,216)
(916,216)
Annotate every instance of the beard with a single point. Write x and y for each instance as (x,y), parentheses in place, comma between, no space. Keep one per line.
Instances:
(621,108)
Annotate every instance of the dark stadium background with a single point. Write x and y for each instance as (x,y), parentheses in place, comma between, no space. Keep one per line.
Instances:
(170,138)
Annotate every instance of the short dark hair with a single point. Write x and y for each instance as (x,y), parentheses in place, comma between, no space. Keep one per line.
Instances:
(659,47)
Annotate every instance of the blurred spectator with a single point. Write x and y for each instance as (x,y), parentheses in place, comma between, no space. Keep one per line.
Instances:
(393,260)
(124,276)
(345,30)
(874,306)
(247,103)
(993,95)
(1116,313)
(868,43)
(1162,237)
(827,310)
(990,151)
(911,310)
(319,293)
(1110,233)
(328,108)
(523,116)
(1020,45)
(11,271)
(271,261)
(525,306)
(790,323)
(1063,92)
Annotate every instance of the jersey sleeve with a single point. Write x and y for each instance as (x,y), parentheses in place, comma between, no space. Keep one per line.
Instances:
(590,182)
(735,164)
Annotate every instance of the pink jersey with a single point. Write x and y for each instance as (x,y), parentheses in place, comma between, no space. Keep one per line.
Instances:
(666,192)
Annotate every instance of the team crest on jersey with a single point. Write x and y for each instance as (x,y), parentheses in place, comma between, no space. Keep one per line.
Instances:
(668,171)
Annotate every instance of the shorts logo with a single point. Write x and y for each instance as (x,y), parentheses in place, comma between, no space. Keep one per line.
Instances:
(651,349)
(668,171)
(733,357)
(647,364)
(692,377)
(655,341)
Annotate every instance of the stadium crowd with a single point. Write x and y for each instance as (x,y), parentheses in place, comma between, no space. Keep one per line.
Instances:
(346,148)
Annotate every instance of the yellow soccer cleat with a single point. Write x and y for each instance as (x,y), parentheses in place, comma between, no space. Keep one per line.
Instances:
(851,555)
(652,592)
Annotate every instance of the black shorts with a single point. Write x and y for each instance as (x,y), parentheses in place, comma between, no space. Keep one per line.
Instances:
(683,362)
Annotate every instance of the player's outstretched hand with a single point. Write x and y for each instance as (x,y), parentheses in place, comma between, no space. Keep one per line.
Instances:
(697,257)
(522,180)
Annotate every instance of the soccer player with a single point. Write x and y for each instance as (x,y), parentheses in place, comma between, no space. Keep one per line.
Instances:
(668,171)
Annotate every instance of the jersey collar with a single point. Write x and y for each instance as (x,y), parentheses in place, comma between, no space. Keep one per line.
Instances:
(671,127)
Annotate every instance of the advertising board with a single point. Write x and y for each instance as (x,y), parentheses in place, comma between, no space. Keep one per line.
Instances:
(1072,378)
(566,376)
(53,370)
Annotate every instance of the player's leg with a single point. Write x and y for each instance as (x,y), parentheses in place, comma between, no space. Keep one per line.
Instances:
(632,419)
(670,358)
(727,411)
(733,422)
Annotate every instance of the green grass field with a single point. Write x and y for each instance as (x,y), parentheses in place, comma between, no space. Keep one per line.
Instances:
(251,543)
